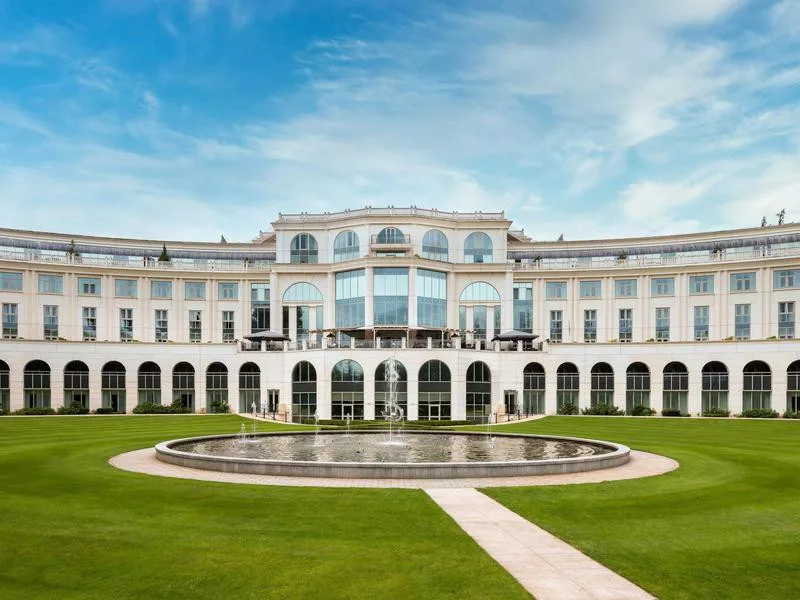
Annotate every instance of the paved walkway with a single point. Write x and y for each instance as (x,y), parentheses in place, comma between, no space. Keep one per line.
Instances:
(547,567)
(641,464)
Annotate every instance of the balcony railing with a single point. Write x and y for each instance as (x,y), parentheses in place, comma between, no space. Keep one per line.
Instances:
(391,211)
(728,256)
(397,239)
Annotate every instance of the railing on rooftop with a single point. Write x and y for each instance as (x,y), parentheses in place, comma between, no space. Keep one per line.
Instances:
(395,239)
(391,211)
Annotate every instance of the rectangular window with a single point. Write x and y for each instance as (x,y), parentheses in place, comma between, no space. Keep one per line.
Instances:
(125,288)
(125,324)
(663,286)
(50,322)
(161,289)
(195,325)
(625,324)
(228,291)
(390,293)
(227,326)
(10,321)
(462,318)
(556,325)
(161,326)
(701,323)
(431,290)
(555,290)
(590,326)
(742,321)
(497,318)
(523,307)
(662,324)
(743,282)
(701,284)
(625,288)
(89,323)
(89,286)
(786,320)
(51,284)
(10,282)
(479,322)
(786,279)
(590,289)
(259,311)
(194,290)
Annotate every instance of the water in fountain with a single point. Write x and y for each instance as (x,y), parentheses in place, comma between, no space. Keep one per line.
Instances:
(489,437)
(393,412)
(242,435)
(316,429)
(347,418)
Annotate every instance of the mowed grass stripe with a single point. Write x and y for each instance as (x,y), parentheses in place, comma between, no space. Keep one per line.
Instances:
(71,526)
(724,525)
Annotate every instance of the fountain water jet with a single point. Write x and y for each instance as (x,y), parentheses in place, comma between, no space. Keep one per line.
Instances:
(393,412)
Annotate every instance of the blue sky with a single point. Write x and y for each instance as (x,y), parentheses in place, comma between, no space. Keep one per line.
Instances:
(190,119)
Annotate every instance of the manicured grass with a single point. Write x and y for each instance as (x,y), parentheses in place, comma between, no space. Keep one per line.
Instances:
(724,525)
(71,526)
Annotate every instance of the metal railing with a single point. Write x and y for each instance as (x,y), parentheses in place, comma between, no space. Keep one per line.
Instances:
(390,211)
(395,239)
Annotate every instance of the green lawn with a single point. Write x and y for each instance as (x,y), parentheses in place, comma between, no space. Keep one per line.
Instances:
(71,526)
(724,525)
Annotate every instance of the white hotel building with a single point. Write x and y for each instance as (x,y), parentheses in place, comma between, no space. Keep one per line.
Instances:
(683,321)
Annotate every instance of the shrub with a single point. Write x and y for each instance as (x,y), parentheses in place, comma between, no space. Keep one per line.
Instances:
(385,424)
(759,413)
(672,412)
(716,412)
(104,410)
(219,406)
(151,408)
(75,408)
(608,410)
(177,407)
(640,410)
(36,410)
(791,414)
(568,408)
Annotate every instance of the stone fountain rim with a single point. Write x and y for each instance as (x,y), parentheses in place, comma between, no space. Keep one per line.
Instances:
(167,453)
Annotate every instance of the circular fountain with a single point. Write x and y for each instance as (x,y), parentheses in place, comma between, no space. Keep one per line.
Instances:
(374,455)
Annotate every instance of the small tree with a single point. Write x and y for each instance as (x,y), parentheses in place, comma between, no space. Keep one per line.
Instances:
(163,257)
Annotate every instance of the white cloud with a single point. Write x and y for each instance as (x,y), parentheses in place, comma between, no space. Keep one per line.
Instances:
(646,201)
(785,17)
(14,117)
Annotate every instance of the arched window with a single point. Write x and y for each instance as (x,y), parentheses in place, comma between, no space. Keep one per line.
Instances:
(479,291)
(304,249)
(347,390)
(479,392)
(183,385)
(715,387)
(76,384)
(383,387)
(36,383)
(434,391)
(473,296)
(216,388)
(478,248)
(304,392)
(793,387)
(757,386)
(5,387)
(676,388)
(567,388)
(302,291)
(390,235)
(533,389)
(602,390)
(434,245)
(112,386)
(637,380)
(249,387)
(345,246)
(149,383)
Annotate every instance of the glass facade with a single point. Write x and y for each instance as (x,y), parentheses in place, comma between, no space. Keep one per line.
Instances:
(701,284)
(259,307)
(431,290)
(88,286)
(390,296)
(625,288)
(590,289)
(194,290)
(350,298)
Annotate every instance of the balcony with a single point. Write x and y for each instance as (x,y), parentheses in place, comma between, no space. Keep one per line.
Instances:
(389,243)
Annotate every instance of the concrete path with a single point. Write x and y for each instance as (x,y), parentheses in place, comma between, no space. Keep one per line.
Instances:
(547,567)
(641,464)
